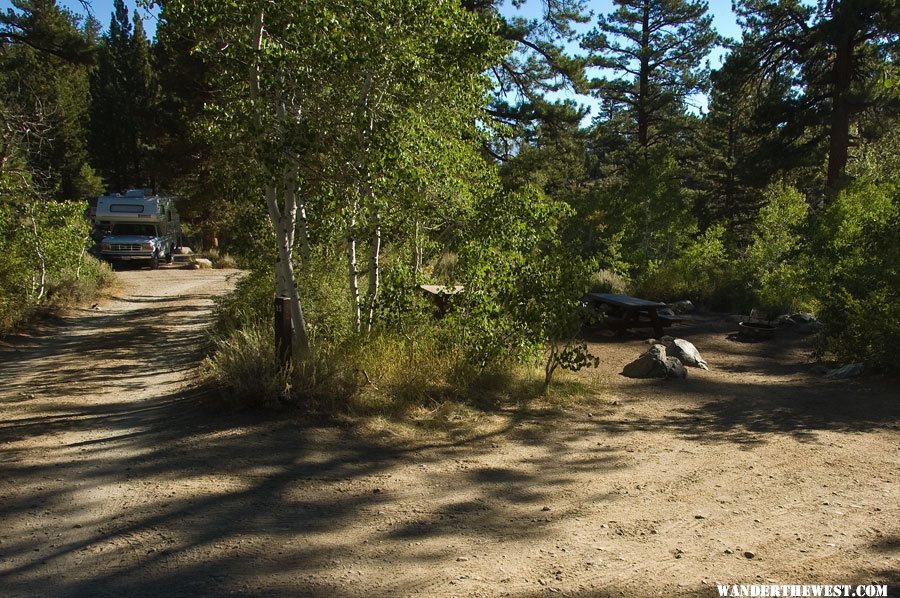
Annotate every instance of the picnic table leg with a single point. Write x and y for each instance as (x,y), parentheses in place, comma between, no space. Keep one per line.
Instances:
(657,325)
(628,318)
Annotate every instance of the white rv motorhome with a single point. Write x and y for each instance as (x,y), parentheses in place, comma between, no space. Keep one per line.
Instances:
(137,226)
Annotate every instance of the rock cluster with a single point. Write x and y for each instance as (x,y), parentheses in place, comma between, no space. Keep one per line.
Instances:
(666,358)
(655,363)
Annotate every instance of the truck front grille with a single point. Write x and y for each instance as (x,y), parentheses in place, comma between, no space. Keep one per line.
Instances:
(125,247)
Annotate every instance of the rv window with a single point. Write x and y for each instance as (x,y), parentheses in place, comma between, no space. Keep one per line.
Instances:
(134,228)
(124,208)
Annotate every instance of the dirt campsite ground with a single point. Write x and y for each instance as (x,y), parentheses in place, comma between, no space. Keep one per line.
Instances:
(116,479)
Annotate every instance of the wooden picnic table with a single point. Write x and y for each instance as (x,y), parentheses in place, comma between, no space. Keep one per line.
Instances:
(623,312)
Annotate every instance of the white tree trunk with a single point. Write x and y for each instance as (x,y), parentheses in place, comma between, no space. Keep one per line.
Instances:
(356,315)
(416,251)
(80,263)
(286,282)
(38,282)
(4,154)
(374,275)
(303,231)
(283,220)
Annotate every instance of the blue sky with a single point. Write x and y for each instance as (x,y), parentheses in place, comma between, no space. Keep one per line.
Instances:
(723,20)
(102,9)
(723,16)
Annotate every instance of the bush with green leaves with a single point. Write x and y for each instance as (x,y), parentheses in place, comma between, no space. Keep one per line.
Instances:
(44,245)
(247,315)
(251,302)
(858,273)
(772,274)
(704,272)
(245,368)
(777,261)
(71,288)
(646,215)
(523,283)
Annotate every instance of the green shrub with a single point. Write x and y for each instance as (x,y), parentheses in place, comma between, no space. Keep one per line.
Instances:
(858,262)
(245,369)
(322,281)
(523,284)
(863,329)
(70,288)
(219,260)
(250,309)
(522,287)
(607,281)
(45,264)
(775,273)
(703,273)
(250,304)
(646,214)
(777,260)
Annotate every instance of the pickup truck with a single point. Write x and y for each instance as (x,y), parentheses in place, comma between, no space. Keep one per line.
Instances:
(133,241)
(137,226)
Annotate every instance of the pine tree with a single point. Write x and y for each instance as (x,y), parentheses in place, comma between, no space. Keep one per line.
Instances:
(183,161)
(657,50)
(537,64)
(735,165)
(37,24)
(51,86)
(835,53)
(123,90)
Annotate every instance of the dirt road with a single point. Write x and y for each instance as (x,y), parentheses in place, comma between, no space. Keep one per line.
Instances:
(115,481)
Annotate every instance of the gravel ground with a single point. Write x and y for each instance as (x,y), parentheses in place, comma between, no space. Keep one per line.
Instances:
(116,480)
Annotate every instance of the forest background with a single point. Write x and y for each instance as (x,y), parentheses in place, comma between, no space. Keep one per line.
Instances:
(346,153)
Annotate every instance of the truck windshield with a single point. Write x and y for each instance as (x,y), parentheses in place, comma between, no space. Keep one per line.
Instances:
(133,228)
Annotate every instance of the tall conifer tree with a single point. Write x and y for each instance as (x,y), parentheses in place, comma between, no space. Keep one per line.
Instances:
(124,93)
(43,46)
(656,52)
(837,53)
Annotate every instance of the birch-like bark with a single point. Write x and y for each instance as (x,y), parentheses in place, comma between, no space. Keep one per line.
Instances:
(356,314)
(80,262)
(38,282)
(283,220)
(374,274)
(289,220)
(416,251)
(285,273)
(289,213)
(8,137)
(303,231)
(352,260)
(281,285)
(4,154)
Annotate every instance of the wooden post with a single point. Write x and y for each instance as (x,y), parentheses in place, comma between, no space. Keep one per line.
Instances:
(283,331)
(657,325)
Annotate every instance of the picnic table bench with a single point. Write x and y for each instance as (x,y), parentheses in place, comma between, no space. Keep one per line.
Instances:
(621,312)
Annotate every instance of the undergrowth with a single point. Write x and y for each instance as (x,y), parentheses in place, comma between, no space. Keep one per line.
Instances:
(389,381)
(65,290)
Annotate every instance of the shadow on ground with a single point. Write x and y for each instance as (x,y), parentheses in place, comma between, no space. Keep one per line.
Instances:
(248,498)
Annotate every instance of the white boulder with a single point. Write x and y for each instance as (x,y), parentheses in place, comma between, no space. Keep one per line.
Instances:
(685,351)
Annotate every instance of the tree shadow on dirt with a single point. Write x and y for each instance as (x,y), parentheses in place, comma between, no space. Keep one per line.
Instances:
(287,485)
(282,483)
(173,495)
(748,413)
(125,352)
